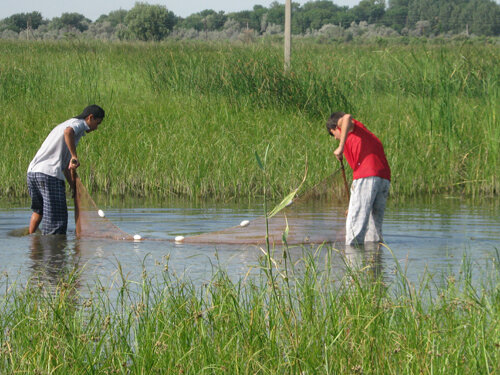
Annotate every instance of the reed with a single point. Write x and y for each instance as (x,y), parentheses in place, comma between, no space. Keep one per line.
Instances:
(185,118)
(320,319)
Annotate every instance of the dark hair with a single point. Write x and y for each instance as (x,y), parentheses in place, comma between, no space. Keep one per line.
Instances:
(93,109)
(333,121)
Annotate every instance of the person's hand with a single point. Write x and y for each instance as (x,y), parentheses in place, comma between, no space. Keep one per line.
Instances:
(339,152)
(346,212)
(74,163)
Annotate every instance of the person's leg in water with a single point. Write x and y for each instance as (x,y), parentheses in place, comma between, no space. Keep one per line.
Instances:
(374,231)
(54,207)
(363,194)
(48,202)
(36,202)
(35,221)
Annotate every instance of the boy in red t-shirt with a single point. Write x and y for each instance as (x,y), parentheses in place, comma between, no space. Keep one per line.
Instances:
(371,177)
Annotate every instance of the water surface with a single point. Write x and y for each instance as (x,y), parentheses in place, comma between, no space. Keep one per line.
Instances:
(423,236)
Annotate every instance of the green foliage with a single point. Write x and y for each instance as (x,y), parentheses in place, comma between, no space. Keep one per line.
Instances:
(21,21)
(396,17)
(252,74)
(187,118)
(194,21)
(69,21)
(276,13)
(150,22)
(249,19)
(371,11)
(115,17)
(311,315)
(409,17)
(214,20)
(316,14)
(207,20)
(480,16)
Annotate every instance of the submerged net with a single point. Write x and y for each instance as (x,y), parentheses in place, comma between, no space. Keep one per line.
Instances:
(315,217)
(88,221)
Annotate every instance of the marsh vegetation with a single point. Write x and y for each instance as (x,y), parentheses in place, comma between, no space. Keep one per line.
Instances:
(303,317)
(186,118)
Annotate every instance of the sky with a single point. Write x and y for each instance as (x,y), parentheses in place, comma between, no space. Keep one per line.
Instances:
(92,9)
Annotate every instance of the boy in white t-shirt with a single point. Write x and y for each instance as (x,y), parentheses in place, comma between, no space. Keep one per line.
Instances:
(51,165)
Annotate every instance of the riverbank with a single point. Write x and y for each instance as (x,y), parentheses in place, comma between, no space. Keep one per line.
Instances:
(185,119)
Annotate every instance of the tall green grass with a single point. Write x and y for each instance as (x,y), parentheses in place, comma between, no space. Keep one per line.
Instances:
(307,318)
(186,118)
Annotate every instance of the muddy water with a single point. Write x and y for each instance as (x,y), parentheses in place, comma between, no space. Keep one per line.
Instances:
(432,236)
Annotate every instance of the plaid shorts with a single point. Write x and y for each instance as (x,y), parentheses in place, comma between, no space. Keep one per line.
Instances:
(48,199)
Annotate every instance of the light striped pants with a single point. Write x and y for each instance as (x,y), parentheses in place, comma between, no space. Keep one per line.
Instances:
(366,210)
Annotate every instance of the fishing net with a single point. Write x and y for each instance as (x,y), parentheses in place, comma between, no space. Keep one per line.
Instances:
(88,221)
(317,216)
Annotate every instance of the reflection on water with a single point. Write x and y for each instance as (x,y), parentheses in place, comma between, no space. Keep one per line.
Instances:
(367,257)
(48,256)
(421,237)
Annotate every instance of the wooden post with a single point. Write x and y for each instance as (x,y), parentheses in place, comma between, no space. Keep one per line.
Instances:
(288,33)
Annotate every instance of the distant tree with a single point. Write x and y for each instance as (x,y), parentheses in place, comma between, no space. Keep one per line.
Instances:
(485,18)
(369,17)
(150,22)
(313,15)
(371,11)
(482,17)
(259,18)
(193,21)
(245,18)
(21,21)
(212,20)
(122,32)
(396,15)
(102,30)
(115,17)
(69,21)
(206,20)
(276,13)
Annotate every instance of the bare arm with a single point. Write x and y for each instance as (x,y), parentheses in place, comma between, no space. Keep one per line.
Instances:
(69,138)
(70,171)
(346,126)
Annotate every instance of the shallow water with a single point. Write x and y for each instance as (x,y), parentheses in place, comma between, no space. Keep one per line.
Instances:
(423,236)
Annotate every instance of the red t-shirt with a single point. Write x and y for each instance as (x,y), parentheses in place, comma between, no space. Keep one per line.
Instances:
(365,154)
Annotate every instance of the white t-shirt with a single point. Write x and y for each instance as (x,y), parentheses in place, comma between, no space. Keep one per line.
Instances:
(53,156)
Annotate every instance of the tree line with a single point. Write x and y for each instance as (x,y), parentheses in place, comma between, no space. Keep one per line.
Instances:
(323,17)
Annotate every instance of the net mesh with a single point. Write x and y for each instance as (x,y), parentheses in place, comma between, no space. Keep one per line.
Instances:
(88,221)
(315,217)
